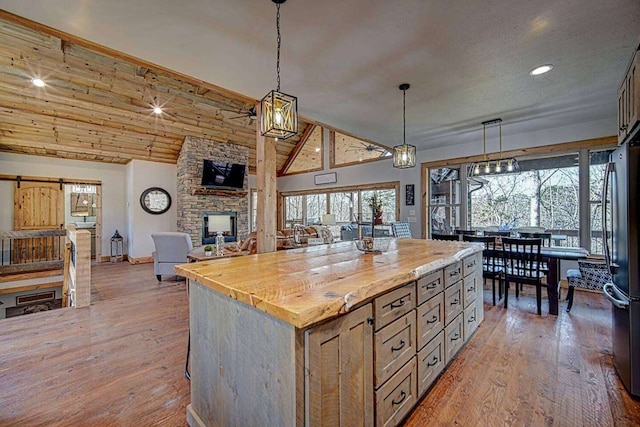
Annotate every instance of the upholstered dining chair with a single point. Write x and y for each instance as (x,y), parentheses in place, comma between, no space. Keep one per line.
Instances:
(401,230)
(589,275)
(492,267)
(522,261)
(171,249)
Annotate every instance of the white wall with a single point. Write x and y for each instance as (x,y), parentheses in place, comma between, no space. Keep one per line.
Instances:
(140,224)
(112,178)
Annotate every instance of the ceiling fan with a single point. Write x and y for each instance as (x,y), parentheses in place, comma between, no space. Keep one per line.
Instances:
(369,148)
(250,113)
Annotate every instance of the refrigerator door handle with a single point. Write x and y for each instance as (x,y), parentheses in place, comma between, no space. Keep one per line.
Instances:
(605,231)
(615,296)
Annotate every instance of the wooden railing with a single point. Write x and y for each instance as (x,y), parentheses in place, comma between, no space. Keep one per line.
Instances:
(39,259)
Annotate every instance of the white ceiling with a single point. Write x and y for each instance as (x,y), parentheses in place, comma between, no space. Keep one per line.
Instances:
(466,60)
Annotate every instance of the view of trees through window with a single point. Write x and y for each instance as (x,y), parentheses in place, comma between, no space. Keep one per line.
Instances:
(348,207)
(544,193)
(542,198)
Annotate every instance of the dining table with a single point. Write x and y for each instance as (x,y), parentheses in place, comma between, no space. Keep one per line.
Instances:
(552,255)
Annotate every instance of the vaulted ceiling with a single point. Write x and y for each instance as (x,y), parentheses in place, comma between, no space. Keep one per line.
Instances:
(466,62)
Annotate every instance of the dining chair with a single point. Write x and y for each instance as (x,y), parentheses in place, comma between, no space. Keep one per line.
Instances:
(453,237)
(589,275)
(522,261)
(492,267)
(466,232)
(546,237)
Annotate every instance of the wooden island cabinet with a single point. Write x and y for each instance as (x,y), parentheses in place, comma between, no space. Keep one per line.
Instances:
(327,335)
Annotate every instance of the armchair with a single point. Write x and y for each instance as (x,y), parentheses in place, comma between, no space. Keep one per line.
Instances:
(171,249)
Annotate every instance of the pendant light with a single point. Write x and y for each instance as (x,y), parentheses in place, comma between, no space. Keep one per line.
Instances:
(278,111)
(509,164)
(404,156)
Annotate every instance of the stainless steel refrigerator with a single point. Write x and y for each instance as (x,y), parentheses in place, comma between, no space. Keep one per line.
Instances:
(620,219)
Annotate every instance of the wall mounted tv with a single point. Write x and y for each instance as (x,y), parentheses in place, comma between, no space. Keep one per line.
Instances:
(222,174)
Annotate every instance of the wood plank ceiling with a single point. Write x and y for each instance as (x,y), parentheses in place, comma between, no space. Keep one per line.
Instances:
(97,104)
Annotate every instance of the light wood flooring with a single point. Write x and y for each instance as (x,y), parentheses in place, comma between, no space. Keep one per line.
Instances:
(121,363)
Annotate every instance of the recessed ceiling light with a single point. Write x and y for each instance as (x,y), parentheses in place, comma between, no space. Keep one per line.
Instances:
(157,110)
(37,82)
(541,70)
(317,149)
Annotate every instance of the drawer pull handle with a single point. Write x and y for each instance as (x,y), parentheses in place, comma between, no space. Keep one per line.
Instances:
(434,363)
(454,273)
(402,344)
(400,304)
(403,396)
(456,337)
(431,285)
(471,289)
(455,302)
(471,265)
(471,319)
(434,319)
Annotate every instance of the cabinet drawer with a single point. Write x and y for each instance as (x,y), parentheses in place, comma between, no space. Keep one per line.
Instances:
(453,338)
(430,362)
(430,285)
(471,321)
(471,264)
(396,398)
(394,305)
(394,346)
(452,273)
(469,289)
(452,302)
(430,319)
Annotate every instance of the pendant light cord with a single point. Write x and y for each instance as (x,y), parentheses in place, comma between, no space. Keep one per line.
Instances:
(404,120)
(278,40)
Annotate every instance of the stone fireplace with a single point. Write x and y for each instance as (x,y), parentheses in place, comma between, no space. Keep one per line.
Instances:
(195,202)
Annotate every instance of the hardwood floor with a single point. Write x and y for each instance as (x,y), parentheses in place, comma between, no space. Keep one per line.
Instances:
(121,362)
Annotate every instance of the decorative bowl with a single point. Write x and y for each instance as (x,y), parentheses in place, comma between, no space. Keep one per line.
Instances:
(371,245)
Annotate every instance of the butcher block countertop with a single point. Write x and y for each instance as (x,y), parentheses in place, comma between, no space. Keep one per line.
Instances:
(308,285)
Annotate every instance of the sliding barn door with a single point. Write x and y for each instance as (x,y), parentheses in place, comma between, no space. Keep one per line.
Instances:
(37,206)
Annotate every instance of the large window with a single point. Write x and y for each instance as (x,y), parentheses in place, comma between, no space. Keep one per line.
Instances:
(349,206)
(543,194)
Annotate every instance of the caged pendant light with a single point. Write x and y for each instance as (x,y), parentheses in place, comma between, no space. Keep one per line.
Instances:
(404,156)
(278,111)
(509,164)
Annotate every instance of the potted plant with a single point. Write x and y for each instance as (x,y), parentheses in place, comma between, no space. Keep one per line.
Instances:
(208,250)
(376,209)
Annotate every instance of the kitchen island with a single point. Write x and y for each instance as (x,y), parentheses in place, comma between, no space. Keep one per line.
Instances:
(327,335)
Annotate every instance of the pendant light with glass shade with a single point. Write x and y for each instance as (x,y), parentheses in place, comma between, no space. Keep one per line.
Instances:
(404,156)
(509,164)
(278,111)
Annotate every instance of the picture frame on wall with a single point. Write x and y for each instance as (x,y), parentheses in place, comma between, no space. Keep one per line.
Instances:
(409,194)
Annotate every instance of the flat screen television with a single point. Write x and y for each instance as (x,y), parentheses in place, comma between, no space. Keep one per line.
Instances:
(222,174)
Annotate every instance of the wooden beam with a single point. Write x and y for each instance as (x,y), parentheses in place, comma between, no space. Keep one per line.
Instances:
(267,195)
(296,149)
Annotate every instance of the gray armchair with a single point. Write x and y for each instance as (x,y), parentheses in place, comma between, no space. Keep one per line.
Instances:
(171,249)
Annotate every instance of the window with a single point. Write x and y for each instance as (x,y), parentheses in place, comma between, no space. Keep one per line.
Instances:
(349,205)
(445,201)
(597,168)
(544,193)
(316,207)
(293,211)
